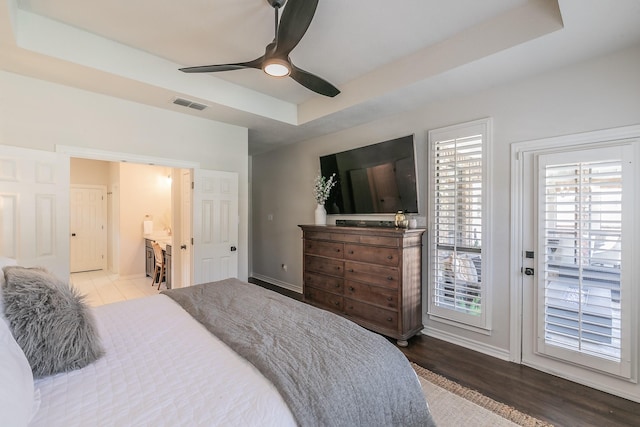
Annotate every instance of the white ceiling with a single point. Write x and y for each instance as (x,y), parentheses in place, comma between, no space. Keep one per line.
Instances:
(382,55)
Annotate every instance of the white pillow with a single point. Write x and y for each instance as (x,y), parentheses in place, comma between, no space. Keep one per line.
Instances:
(17,401)
(17,395)
(4,261)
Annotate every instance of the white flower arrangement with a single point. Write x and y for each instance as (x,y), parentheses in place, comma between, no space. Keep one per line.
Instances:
(322,187)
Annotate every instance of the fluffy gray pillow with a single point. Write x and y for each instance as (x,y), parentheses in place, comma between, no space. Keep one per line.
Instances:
(50,321)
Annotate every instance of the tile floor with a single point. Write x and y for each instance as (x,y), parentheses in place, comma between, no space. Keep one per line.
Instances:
(102,287)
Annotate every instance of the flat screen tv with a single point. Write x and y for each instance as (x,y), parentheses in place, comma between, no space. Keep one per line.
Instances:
(375,179)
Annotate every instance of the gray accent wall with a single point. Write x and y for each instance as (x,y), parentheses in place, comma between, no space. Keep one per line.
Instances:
(597,94)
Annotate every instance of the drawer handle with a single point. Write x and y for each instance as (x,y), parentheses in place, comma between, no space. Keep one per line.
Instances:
(337,285)
(390,257)
(351,288)
(350,270)
(350,252)
(337,250)
(389,319)
(336,303)
(389,278)
(389,299)
(350,307)
(337,268)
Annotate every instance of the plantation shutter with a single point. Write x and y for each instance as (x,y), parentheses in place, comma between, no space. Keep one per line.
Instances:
(456,255)
(582,228)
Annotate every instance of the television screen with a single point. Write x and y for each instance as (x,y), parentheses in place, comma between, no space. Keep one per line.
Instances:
(378,178)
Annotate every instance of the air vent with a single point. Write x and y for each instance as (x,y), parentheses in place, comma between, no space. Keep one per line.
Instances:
(197,106)
(190,104)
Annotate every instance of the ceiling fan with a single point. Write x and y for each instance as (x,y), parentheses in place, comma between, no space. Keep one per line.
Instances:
(295,20)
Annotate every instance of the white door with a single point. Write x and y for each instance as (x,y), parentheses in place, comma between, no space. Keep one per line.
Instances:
(88,217)
(215,225)
(34,208)
(185,228)
(577,285)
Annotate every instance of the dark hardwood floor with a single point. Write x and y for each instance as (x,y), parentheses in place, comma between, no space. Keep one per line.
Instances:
(547,397)
(544,396)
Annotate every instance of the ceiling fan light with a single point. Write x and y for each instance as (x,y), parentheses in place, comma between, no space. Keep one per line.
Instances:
(277,68)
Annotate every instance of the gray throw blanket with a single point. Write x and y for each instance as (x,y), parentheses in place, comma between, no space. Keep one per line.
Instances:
(330,371)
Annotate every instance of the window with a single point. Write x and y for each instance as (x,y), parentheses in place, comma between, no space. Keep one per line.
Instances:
(583,234)
(584,212)
(458,288)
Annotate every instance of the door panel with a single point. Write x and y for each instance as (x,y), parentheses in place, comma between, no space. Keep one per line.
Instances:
(215,223)
(577,216)
(88,228)
(185,228)
(34,201)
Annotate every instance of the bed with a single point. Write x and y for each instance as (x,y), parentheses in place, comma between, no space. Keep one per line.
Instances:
(226,353)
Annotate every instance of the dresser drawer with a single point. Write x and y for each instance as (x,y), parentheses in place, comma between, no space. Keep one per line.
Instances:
(324,299)
(376,295)
(315,264)
(372,254)
(370,313)
(373,274)
(318,235)
(327,283)
(328,249)
(354,238)
(380,240)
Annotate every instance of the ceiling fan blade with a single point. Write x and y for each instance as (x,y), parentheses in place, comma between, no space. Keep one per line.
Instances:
(295,20)
(256,63)
(313,82)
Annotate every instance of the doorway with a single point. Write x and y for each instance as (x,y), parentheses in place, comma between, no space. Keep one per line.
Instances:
(574,235)
(128,194)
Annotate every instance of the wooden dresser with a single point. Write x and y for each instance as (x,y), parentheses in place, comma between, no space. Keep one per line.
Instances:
(371,275)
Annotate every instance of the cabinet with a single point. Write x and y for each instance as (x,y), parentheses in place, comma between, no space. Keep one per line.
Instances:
(371,275)
(149,258)
(150,261)
(167,266)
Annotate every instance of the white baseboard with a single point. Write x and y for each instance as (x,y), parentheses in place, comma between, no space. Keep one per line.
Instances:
(489,350)
(276,282)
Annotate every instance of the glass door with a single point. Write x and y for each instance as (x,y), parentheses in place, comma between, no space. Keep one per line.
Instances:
(578,291)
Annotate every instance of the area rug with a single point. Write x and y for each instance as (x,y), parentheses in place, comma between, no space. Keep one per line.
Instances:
(454,405)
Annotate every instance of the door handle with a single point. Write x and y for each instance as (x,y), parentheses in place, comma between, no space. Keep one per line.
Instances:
(183,247)
(73,234)
(528,271)
(233,249)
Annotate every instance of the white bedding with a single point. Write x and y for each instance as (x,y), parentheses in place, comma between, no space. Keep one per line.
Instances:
(161,368)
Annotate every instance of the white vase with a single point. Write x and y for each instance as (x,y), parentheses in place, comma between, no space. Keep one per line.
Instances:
(321,215)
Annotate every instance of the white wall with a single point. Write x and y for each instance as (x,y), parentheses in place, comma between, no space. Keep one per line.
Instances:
(597,94)
(144,190)
(40,115)
(89,172)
